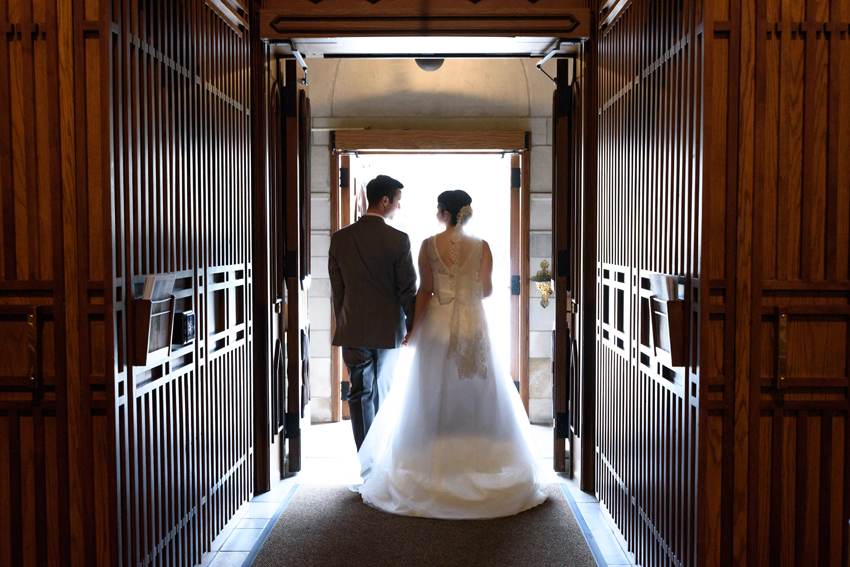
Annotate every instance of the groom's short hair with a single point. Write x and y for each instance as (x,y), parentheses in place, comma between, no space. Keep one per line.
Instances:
(380,187)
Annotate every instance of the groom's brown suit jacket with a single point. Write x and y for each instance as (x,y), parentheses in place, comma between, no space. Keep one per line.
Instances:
(373,284)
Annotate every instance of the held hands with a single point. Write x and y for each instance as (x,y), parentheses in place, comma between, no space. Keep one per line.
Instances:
(406,338)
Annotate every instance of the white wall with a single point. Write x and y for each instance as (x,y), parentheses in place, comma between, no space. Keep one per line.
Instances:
(474,94)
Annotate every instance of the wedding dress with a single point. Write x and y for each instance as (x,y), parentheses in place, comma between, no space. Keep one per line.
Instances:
(452,439)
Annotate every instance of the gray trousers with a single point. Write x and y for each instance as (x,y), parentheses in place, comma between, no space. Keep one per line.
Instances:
(370,372)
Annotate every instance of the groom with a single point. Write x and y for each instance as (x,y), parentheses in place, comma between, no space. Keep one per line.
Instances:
(373,284)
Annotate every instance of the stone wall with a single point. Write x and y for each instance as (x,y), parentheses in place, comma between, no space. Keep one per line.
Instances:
(473,94)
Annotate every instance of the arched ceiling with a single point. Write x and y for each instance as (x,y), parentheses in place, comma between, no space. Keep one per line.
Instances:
(464,88)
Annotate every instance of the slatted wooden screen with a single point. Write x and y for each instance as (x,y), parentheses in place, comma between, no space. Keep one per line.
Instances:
(56,443)
(178,78)
(778,144)
(650,61)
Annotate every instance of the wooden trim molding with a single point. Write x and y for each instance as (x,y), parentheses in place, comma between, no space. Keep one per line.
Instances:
(435,140)
(284,19)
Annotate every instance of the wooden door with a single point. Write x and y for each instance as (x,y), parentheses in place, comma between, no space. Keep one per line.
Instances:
(349,203)
(566,246)
(568,259)
(276,241)
(55,431)
(775,454)
(520,268)
(296,129)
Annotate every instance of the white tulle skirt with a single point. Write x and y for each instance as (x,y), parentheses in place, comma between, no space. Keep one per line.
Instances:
(445,447)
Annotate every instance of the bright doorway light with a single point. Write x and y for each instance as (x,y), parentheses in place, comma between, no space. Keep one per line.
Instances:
(487,180)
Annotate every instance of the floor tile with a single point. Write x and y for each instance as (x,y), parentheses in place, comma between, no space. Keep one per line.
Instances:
(261,509)
(278,493)
(241,540)
(222,536)
(252,523)
(229,559)
(602,533)
(578,494)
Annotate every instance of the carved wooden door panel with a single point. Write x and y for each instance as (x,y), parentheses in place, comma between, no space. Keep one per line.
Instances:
(567,250)
(46,316)
(296,130)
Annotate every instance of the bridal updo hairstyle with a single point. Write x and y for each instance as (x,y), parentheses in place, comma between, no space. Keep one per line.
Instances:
(453,201)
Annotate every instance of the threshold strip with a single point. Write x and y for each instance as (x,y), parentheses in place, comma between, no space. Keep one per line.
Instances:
(588,535)
(269,525)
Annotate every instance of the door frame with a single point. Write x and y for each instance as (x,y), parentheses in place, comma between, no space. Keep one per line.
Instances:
(424,142)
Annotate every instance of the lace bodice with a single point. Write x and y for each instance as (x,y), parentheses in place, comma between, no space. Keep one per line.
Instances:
(461,279)
(459,284)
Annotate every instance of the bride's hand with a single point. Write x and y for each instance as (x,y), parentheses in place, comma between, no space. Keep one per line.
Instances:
(406,339)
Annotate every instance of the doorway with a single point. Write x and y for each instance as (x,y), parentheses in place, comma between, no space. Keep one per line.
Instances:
(486,177)
(493,167)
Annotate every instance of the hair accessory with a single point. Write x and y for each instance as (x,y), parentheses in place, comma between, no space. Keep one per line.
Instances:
(464,213)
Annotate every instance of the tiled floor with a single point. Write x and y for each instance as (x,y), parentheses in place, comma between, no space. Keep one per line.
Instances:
(329,457)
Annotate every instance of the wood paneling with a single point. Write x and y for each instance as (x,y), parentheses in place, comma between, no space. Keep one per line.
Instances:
(648,205)
(779,218)
(284,19)
(438,140)
(55,392)
(178,91)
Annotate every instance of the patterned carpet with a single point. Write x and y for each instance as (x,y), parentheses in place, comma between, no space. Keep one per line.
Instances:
(330,526)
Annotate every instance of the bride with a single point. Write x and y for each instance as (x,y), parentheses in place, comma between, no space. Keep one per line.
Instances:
(452,440)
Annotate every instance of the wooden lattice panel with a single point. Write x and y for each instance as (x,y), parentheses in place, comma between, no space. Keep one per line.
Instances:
(178,95)
(648,202)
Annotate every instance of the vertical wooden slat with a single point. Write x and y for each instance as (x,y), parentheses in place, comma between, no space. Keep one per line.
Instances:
(589,308)
(7,196)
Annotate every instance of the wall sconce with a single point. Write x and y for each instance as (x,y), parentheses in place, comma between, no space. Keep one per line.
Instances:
(543,280)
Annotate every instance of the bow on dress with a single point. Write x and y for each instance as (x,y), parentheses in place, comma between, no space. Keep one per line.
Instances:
(446,292)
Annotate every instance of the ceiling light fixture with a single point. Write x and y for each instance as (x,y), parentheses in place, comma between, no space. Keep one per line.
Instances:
(429,64)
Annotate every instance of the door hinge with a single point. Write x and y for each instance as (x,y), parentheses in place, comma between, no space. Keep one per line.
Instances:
(514,285)
(516,177)
(563,264)
(292,425)
(290,264)
(562,425)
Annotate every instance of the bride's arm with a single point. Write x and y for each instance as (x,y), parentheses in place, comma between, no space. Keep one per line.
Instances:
(487,270)
(426,289)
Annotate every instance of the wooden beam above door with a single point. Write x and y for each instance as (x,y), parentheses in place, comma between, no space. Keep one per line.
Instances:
(431,140)
(286,19)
